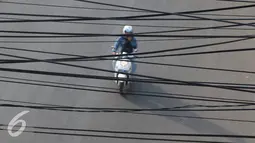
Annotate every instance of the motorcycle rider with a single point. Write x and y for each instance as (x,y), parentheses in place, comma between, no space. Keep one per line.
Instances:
(127,42)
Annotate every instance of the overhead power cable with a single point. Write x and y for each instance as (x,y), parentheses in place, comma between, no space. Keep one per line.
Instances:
(66,6)
(103,57)
(80,17)
(103,9)
(198,118)
(242,1)
(71,18)
(201,53)
(137,133)
(94,41)
(132,17)
(132,93)
(120,137)
(189,19)
(182,30)
(139,33)
(162,26)
(133,25)
(228,15)
(77,35)
(249,103)
(160,80)
(132,110)
(188,28)
(86,58)
(183,14)
(135,93)
(66,19)
(196,67)
(179,30)
(111,24)
(135,61)
(129,10)
(142,34)
(191,29)
(232,85)
(165,115)
(196,53)
(154,11)
(186,106)
(59,83)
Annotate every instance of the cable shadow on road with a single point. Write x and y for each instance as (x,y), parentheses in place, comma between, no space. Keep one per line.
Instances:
(199,125)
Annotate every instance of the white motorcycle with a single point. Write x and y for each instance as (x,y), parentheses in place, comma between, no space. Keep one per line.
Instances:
(122,66)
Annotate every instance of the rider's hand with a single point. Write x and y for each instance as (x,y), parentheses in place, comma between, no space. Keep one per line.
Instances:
(114,53)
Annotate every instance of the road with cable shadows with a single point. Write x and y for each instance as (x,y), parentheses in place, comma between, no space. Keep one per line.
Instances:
(146,122)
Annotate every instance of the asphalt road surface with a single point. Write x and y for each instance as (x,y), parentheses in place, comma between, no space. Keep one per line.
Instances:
(170,122)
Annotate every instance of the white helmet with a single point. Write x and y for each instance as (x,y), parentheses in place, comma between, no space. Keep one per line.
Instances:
(127,29)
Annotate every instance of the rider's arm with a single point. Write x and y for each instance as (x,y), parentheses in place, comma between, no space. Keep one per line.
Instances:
(116,44)
(135,43)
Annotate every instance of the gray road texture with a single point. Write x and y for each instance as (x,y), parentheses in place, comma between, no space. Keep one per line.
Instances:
(123,121)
